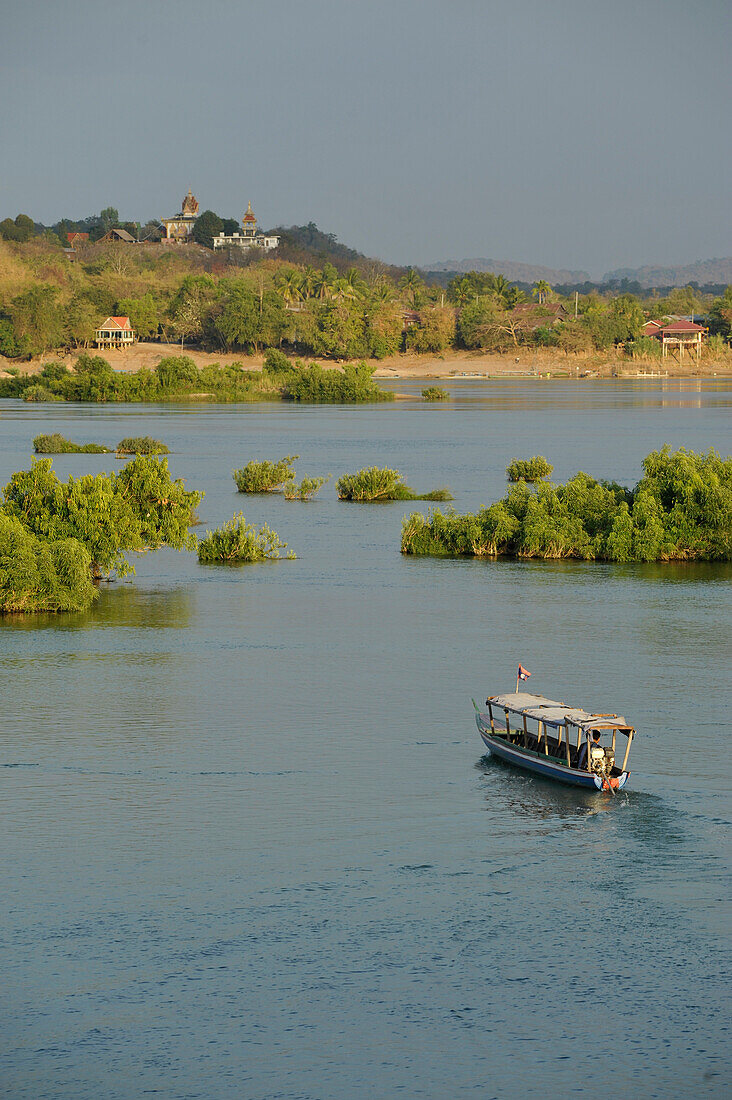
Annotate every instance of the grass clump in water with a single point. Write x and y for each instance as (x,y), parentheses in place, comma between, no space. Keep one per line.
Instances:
(680,510)
(265,477)
(529,469)
(435,393)
(141,445)
(56,444)
(239,541)
(375,484)
(306,489)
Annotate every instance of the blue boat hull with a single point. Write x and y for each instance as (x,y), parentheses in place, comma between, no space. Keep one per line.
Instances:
(547,768)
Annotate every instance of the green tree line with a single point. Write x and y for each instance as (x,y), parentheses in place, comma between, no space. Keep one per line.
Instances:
(349,312)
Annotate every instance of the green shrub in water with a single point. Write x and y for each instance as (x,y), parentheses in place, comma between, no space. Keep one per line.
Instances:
(37,392)
(375,484)
(435,393)
(307,488)
(55,444)
(239,541)
(41,575)
(680,510)
(529,469)
(265,477)
(141,445)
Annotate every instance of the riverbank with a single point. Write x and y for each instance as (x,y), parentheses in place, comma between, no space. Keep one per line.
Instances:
(525,363)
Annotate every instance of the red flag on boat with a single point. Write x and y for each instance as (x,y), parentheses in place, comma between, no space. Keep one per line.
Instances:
(523,673)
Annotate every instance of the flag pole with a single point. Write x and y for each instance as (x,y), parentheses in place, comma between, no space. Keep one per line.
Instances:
(517,681)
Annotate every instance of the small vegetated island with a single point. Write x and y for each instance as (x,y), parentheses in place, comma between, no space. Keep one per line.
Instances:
(141,445)
(177,378)
(56,444)
(529,469)
(274,477)
(238,541)
(373,484)
(58,538)
(265,476)
(680,510)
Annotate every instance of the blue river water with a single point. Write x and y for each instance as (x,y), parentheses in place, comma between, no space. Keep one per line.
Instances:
(251,844)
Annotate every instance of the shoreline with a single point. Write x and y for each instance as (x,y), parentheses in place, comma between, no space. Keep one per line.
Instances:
(529,363)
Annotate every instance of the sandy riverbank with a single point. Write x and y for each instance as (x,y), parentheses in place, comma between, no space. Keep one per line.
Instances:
(527,362)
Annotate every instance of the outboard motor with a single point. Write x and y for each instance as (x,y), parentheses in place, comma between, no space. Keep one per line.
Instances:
(602,761)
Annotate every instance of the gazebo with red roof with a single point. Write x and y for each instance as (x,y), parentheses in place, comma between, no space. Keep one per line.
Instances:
(115,332)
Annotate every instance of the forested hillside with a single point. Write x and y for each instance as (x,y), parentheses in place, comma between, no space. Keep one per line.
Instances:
(312,297)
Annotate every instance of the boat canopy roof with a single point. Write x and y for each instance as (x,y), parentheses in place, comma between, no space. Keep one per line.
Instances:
(556,714)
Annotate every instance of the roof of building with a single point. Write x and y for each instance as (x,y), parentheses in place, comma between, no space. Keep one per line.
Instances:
(74,236)
(682,326)
(122,323)
(119,235)
(189,206)
(249,216)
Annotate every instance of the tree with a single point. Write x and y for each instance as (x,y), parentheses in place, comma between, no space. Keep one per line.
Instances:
(541,291)
(82,318)
(435,332)
(21,230)
(309,281)
(340,330)
(720,314)
(383,329)
(140,508)
(175,372)
(627,316)
(476,324)
(207,226)
(192,306)
(143,314)
(326,281)
(108,218)
(38,318)
(289,286)
(412,285)
(230,226)
(41,575)
(237,323)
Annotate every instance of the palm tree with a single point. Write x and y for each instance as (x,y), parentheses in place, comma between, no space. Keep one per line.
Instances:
(412,285)
(513,297)
(500,288)
(326,281)
(290,287)
(462,291)
(541,291)
(344,291)
(309,281)
(381,292)
(355,281)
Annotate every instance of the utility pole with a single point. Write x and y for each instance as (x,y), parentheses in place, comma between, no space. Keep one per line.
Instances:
(576,301)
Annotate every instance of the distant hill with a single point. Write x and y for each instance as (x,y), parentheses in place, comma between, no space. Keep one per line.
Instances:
(513,271)
(702,272)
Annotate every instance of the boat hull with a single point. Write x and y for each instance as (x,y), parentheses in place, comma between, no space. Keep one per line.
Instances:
(547,768)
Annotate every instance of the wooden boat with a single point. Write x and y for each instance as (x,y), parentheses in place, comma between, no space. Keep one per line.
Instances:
(565,743)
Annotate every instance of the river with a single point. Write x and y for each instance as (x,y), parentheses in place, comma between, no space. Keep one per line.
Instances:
(251,844)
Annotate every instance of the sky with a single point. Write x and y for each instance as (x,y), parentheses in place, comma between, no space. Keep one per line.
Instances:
(574,134)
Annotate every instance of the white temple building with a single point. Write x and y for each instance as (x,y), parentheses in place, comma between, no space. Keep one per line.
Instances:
(248,238)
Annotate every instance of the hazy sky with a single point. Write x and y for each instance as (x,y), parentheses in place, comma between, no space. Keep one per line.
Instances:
(574,134)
